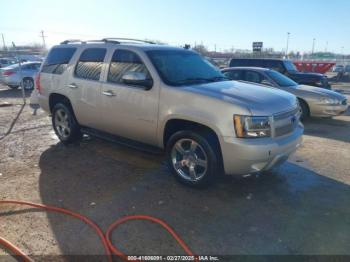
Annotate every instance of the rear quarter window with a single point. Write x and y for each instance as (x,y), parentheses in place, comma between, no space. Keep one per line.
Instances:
(57,60)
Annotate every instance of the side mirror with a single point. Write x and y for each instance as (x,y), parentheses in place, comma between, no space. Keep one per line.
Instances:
(137,79)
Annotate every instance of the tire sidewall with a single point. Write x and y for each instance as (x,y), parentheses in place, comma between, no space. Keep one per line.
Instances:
(75,130)
(304,110)
(31,80)
(212,170)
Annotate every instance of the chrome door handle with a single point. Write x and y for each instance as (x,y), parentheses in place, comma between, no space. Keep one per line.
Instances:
(73,86)
(108,93)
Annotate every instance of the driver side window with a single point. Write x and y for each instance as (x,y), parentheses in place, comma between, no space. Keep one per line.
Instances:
(124,61)
(251,76)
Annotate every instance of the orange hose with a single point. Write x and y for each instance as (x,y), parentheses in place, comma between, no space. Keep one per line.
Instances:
(105,239)
(8,245)
(142,217)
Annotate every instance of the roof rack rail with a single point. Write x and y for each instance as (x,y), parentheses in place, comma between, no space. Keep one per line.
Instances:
(119,40)
(71,41)
(107,40)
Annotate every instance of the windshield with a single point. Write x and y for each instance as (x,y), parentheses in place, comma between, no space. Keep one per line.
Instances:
(290,66)
(181,67)
(280,79)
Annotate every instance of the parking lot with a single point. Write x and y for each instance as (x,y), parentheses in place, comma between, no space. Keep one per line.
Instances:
(302,207)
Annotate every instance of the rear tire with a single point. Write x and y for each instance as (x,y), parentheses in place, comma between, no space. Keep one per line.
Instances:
(305,111)
(65,124)
(192,159)
(13,87)
(28,83)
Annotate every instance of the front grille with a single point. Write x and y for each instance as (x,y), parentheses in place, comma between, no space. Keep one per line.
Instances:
(284,115)
(344,102)
(286,122)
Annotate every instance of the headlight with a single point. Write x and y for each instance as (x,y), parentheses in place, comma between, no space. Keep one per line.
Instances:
(252,126)
(330,101)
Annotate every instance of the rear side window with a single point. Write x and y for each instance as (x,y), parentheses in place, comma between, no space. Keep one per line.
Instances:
(90,64)
(234,75)
(57,60)
(251,76)
(125,61)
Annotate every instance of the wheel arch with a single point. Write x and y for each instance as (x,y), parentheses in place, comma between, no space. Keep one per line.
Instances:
(301,100)
(55,98)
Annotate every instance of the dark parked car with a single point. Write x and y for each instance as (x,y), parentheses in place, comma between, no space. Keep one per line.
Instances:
(285,67)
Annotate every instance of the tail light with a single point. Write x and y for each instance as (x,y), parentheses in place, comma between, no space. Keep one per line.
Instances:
(37,83)
(8,73)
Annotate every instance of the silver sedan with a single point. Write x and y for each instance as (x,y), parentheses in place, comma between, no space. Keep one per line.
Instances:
(13,77)
(314,101)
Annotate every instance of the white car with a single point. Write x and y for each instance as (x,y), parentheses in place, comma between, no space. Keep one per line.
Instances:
(12,76)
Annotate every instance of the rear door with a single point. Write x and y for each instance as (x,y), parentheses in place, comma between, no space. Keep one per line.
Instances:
(53,74)
(84,86)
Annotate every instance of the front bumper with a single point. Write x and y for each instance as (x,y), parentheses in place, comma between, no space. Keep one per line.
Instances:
(245,156)
(320,110)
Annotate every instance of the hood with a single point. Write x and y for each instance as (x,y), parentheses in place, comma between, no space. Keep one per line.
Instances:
(259,100)
(321,91)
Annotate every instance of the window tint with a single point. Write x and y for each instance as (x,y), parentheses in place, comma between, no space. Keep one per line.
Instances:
(57,60)
(238,62)
(182,67)
(257,63)
(90,64)
(251,76)
(31,67)
(275,65)
(125,61)
(280,79)
(234,75)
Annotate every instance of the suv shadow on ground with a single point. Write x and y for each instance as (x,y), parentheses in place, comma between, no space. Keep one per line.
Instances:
(291,210)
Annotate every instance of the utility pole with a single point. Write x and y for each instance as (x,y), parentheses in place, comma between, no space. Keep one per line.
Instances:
(43,37)
(326,47)
(3,42)
(313,46)
(288,34)
(215,48)
(20,72)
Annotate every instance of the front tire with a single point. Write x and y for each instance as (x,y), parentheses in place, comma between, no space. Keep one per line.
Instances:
(305,111)
(192,159)
(64,123)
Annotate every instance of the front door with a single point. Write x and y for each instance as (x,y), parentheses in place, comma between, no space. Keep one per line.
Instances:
(127,110)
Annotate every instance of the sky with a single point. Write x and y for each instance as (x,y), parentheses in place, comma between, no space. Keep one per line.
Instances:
(225,24)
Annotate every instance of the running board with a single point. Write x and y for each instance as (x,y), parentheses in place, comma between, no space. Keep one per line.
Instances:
(122,141)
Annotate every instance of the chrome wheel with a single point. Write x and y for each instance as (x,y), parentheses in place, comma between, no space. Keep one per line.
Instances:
(189,159)
(28,84)
(62,123)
